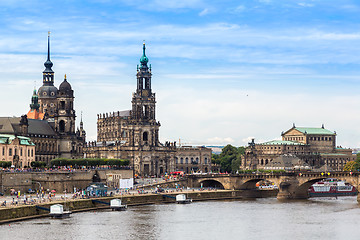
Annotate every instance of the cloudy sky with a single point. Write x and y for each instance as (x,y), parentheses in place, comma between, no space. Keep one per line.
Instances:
(223,71)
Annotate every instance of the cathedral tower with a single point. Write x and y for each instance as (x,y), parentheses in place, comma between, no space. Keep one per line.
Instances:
(65,117)
(48,92)
(143,105)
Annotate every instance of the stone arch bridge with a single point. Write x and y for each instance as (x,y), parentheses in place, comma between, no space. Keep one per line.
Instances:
(291,185)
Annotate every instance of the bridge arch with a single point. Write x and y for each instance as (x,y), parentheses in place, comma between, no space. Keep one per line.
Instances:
(211,183)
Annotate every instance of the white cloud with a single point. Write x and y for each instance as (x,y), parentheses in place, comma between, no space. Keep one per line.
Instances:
(303,4)
(204,12)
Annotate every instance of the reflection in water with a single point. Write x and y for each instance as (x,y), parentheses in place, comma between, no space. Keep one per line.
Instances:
(325,218)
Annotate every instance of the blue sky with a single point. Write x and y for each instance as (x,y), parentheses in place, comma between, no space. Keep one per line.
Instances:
(223,71)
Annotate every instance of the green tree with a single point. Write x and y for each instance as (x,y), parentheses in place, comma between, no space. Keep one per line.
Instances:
(229,159)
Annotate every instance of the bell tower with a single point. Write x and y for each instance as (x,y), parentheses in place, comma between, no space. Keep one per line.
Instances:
(65,119)
(143,106)
(143,102)
(48,92)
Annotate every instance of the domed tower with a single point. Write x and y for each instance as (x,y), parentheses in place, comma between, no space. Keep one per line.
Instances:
(34,108)
(65,118)
(48,92)
(143,105)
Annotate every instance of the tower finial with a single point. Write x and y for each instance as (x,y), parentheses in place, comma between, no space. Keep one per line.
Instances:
(48,64)
(48,46)
(65,77)
(144,60)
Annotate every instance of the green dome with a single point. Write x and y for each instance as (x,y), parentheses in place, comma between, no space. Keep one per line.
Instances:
(144,60)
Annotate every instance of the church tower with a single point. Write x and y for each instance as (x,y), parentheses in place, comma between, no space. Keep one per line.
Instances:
(34,108)
(143,105)
(48,92)
(65,117)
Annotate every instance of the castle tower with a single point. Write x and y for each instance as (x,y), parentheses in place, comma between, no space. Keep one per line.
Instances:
(48,92)
(143,105)
(34,108)
(65,117)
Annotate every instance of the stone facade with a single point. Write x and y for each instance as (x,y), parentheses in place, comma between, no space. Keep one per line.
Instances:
(134,135)
(315,146)
(18,150)
(50,123)
(193,159)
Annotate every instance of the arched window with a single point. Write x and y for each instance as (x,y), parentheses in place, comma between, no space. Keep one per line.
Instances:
(62,126)
(177,160)
(145,136)
(186,160)
(181,160)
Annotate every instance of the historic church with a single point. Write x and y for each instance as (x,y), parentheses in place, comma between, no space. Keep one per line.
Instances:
(134,135)
(50,122)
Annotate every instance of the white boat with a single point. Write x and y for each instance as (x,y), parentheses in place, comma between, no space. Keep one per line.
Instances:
(115,205)
(57,211)
(181,199)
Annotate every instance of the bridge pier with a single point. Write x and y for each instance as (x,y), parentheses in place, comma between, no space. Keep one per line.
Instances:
(290,189)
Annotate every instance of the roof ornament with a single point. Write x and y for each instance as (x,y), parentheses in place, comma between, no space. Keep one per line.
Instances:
(322,126)
(65,77)
(294,125)
(144,60)
(48,64)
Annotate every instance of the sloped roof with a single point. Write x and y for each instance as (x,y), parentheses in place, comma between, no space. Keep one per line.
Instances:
(7,139)
(311,131)
(11,125)
(287,161)
(40,127)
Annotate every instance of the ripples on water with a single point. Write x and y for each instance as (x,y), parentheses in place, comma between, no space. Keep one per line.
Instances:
(323,218)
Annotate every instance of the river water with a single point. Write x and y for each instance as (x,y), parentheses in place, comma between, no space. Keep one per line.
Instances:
(322,218)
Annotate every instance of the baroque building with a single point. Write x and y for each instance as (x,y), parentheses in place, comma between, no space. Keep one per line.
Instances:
(50,122)
(134,134)
(315,146)
(18,150)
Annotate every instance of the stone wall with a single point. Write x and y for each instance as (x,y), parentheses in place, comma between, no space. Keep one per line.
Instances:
(60,181)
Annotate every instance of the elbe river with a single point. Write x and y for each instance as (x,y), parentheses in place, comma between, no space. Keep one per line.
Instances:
(267,218)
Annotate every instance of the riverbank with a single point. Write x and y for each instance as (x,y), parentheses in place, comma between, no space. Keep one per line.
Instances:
(20,213)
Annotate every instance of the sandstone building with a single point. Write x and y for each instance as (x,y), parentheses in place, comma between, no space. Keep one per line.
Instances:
(18,150)
(134,134)
(315,146)
(50,122)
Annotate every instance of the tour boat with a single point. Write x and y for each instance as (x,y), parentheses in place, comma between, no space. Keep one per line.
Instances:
(332,188)
(115,205)
(181,199)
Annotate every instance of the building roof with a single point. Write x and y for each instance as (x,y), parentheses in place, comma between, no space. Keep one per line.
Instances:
(281,142)
(8,138)
(11,125)
(286,162)
(40,127)
(313,131)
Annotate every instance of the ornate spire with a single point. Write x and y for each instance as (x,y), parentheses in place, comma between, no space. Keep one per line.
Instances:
(48,64)
(34,101)
(144,60)
(81,122)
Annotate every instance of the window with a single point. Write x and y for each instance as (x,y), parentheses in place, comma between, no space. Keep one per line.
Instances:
(28,152)
(3,152)
(10,151)
(20,151)
(186,160)
(181,160)
(32,152)
(177,160)
(145,136)
(206,160)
